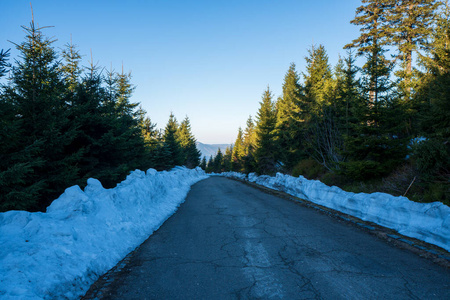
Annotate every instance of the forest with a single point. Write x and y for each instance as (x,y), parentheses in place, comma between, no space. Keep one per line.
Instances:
(382,125)
(379,120)
(62,123)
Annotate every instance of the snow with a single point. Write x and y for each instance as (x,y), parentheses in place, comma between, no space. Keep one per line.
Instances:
(429,222)
(83,234)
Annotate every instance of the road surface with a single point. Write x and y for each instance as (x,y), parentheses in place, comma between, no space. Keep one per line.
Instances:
(232,241)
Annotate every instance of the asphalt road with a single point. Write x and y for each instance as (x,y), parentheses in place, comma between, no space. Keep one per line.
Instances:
(232,241)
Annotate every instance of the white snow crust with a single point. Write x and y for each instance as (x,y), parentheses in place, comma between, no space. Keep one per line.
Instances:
(60,253)
(429,222)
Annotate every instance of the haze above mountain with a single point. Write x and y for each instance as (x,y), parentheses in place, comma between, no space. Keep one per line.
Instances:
(208,150)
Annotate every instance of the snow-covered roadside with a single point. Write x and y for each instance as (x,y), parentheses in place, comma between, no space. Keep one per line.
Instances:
(429,222)
(60,253)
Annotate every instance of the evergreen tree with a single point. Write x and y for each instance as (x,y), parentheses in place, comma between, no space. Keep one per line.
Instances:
(71,66)
(226,164)
(203,163)
(371,16)
(291,117)
(317,77)
(409,27)
(218,162)
(237,157)
(375,145)
(172,143)
(190,153)
(124,90)
(431,156)
(210,165)
(37,92)
(265,136)
(249,146)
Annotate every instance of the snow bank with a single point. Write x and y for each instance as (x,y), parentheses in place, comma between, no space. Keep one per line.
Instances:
(60,253)
(429,222)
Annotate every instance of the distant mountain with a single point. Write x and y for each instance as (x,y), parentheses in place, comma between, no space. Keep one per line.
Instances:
(211,149)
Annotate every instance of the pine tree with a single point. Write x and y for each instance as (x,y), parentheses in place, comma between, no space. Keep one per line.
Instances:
(227,159)
(371,16)
(317,77)
(410,23)
(237,157)
(203,163)
(375,145)
(265,136)
(291,117)
(190,153)
(433,98)
(124,91)
(210,165)
(37,91)
(17,163)
(249,146)
(172,143)
(71,66)
(218,162)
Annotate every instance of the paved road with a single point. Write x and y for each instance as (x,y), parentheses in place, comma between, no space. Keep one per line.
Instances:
(232,241)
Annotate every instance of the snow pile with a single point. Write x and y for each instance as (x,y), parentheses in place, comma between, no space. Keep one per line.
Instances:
(60,253)
(429,222)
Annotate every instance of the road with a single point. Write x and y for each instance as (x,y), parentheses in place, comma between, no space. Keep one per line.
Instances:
(232,241)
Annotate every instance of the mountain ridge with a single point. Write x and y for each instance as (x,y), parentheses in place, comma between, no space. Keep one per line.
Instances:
(208,150)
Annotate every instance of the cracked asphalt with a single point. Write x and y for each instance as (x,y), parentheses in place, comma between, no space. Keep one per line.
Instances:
(232,241)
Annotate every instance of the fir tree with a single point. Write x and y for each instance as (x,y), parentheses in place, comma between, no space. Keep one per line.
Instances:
(218,162)
(238,154)
(226,164)
(124,91)
(317,77)
(172,143)
(265,136)
(190,153)
(371,16)
(210,165)
(433,97)
(203,163)
(71,66)
(37,91)
(291,117)
(409,27)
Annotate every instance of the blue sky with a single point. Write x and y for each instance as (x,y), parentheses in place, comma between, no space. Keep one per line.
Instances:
(209,60)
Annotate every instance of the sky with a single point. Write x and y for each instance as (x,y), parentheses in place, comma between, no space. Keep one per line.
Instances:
(207,60)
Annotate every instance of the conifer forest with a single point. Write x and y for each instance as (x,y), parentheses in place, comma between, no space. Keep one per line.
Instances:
(379,120)
(381,125)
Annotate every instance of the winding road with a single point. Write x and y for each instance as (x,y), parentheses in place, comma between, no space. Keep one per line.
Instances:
(232,241)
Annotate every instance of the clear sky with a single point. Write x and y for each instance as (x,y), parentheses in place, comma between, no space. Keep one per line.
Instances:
(208,60)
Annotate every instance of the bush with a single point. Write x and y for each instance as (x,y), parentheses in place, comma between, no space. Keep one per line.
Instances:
(308,168)
(432,159)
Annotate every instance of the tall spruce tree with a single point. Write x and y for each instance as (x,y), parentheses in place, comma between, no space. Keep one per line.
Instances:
(237,158)
(291,117)
(265,142)
(203,163)
(371,16)
(190,153)
(71,66)
(37,91)
(318,77)
(433,97)
(171,142)
(249,146)
(409,25)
